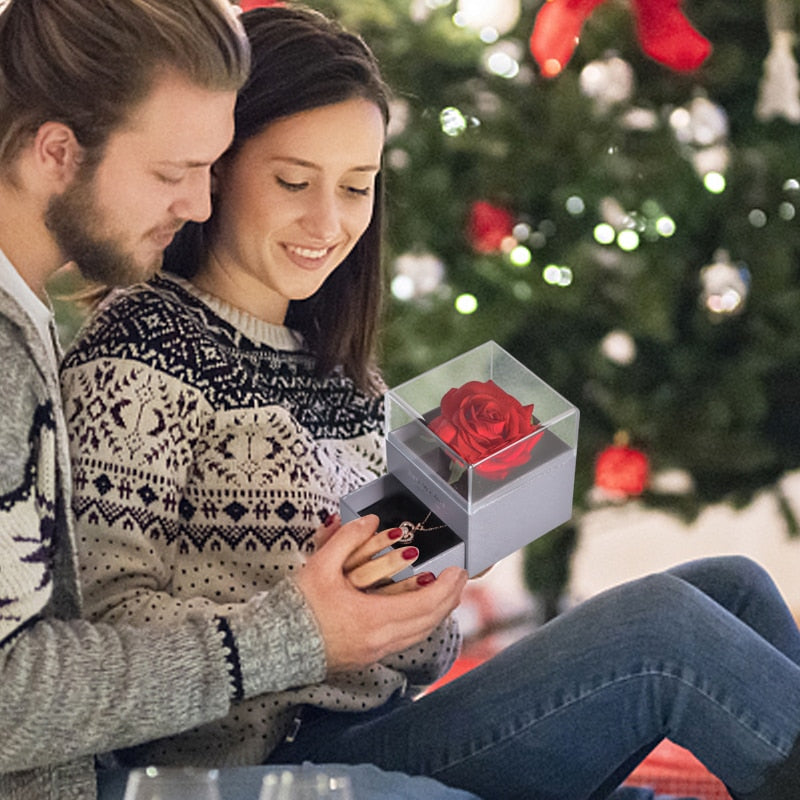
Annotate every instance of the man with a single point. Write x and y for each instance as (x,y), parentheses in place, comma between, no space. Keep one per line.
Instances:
(111,114)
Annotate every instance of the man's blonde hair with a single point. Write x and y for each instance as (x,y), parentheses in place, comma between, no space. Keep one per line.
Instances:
(87,63)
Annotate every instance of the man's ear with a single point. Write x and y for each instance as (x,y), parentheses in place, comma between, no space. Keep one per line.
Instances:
(57,152)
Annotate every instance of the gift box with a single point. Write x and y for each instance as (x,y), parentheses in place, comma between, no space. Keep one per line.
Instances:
(481,461)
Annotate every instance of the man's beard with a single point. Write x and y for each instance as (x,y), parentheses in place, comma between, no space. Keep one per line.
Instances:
(75,220)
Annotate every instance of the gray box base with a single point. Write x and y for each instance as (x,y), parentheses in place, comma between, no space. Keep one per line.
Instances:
(520,511)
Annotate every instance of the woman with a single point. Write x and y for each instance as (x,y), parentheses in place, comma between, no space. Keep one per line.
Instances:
(218,414)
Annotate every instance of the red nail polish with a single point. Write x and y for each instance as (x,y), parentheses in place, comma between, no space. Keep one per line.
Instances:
(410,553)
(394,533)
(425,578)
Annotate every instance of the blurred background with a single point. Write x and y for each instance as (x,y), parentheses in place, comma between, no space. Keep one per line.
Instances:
(629,232)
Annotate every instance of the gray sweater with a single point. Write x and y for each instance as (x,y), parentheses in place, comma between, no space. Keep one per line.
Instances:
(69,688)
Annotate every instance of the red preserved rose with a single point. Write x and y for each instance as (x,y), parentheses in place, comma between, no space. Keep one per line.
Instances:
(479,419)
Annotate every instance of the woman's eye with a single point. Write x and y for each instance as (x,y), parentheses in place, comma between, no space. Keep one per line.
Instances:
(170,179)
(290,186)
(360,192)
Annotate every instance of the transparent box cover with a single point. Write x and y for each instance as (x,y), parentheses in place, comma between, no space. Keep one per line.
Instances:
(496,484)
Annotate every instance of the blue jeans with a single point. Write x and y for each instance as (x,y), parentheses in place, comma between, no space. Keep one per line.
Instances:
(705,654)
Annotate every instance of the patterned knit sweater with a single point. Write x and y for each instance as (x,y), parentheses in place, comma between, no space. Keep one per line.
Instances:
(205,454)
(68,688)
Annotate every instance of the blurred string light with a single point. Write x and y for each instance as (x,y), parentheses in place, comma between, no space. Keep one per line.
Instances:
(715,182)
(665,226)
(787,210)
(672,481)
(556,275)
(521,231)
(490,18)
(724,287)
(522,291)
(640,119)
(520,256)
(701,123)
(627,229)
(503,59)
(416,275)
(398,158)
(466,304)
(608,82)
(701,127)
(628,240)
(420,10)
(399,117)
(604,233)
(575,205)
(619,347)
(454,122)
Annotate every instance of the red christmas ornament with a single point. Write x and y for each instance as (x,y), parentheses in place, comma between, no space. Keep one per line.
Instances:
(622,471)
(488,226)
(664,32)
(248,5)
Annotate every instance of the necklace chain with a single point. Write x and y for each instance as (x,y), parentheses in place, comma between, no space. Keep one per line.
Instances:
(410,528)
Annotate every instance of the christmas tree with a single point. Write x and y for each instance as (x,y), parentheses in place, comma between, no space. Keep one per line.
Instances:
(625,229)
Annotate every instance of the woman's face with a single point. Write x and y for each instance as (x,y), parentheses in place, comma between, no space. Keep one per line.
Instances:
(292,204)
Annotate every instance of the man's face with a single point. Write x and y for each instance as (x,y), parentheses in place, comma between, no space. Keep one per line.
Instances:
(116,218)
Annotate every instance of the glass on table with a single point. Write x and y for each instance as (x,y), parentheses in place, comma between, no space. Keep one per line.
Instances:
(172,783)
(306,784)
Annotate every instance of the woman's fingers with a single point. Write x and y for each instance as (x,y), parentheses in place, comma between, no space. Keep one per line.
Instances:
(373,546)
(412,584)
(381,568)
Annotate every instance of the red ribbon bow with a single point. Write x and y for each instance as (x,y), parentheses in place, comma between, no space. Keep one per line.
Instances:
(664,32)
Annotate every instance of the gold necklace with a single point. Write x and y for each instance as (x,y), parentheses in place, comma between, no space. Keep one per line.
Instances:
(410,528)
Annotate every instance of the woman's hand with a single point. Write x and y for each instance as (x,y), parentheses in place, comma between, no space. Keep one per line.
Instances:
(366,570)
(371,572)
(360,627)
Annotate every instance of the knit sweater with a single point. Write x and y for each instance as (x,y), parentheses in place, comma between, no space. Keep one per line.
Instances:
(206,452)
(68,688)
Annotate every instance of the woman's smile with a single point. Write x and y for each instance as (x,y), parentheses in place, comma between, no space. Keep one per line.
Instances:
(298,197)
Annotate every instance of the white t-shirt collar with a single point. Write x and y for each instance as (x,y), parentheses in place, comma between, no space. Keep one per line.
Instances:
(37,310)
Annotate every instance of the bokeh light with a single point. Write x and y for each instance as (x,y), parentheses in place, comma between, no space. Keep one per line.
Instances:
(556,275)
(575,205)
(627,240)
(453,122)
(665,226)
(604,233)
(466,304)
(520,256)
(715,182)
